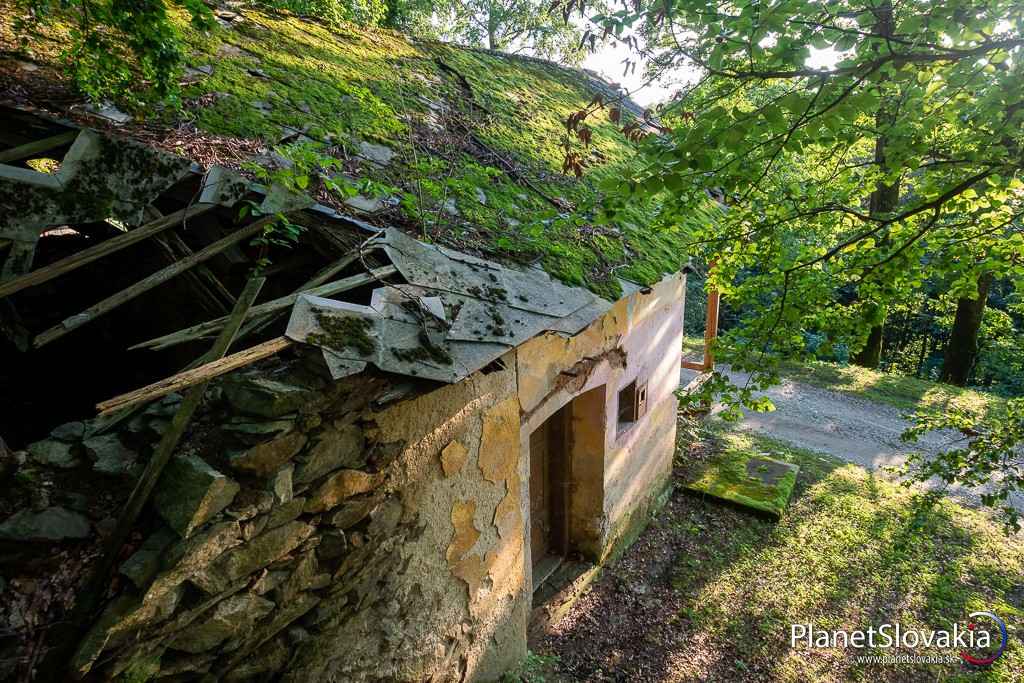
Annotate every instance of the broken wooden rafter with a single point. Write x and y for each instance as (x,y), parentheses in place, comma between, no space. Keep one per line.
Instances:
(206,298)
(321,277)
(146,284)
(203,373)
(210,327)
(222,293)
(114,543)
(37,147)
(75,261)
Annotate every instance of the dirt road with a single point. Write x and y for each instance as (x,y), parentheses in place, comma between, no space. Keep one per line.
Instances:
(854,429)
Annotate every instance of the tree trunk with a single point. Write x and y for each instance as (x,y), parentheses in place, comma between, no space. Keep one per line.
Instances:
(492,32)
(962,350)
(884,199)
(871,354)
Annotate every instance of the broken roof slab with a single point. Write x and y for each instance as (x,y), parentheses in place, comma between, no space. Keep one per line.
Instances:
(456,314)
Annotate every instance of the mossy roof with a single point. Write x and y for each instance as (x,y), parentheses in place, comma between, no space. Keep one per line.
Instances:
(477,136)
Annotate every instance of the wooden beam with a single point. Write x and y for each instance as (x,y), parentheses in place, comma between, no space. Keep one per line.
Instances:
(100,578)
(75,261)
(32,148)
(325,274)
(146,284)
(222,293)
(210,303)
(210,327)
(203,373)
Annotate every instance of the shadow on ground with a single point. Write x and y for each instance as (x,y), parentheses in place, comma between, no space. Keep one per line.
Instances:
(709,592)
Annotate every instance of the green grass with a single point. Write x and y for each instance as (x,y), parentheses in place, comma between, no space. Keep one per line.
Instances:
(905,393)
(723,585)
(853,550)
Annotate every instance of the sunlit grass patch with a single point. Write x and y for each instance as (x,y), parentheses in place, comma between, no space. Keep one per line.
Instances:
(852,551)
(905,393)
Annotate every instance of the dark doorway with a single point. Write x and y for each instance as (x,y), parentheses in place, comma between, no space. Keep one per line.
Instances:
(549,484)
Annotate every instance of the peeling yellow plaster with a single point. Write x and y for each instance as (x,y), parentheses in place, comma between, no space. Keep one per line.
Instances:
(507,517)
(470,570)
(466,533)
(453,457)
(500,430)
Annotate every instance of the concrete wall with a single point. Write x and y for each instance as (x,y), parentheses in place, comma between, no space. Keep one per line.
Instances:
(348,531)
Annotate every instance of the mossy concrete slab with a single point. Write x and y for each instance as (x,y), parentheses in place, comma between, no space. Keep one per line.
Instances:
(748,479)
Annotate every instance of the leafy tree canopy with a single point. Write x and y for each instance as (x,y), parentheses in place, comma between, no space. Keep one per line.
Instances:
(510,26)
(793,150)
(842,186)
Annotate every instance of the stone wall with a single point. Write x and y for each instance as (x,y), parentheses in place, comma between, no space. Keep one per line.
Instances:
(361,530)
(304,531)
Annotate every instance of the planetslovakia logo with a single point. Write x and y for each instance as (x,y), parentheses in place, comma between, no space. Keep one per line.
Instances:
(977,644)
(984,661)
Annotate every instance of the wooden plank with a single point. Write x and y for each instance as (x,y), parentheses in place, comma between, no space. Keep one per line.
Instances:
(75,261)
(711,328)
(212,281)
(210,327)
(210,303)
(125,295)
(203,373)
(100,578)
(324,275)
(32,148)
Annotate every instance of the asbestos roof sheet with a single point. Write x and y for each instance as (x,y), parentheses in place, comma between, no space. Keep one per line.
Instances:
(455,314)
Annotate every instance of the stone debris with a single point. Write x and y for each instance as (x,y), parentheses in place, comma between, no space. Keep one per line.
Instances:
(52,524)
(190,492)
(106,110)
(340,486)
(378,154)
(265,458)
(54,453)
(264,396)
(232,618)
(109,455)
(69,431)
(337,448)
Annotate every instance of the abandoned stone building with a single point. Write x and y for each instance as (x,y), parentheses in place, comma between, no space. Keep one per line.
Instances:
(351,448)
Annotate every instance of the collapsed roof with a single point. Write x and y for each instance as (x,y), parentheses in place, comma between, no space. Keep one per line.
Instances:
(135,229)
(457,314)
(362,294)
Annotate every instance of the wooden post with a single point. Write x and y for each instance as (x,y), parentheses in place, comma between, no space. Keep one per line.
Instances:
(97,585)
(710,329)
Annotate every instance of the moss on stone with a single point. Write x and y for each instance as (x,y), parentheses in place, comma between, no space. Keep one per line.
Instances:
(427,351)
(747,479)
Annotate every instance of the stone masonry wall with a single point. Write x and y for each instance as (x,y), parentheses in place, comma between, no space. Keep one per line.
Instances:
(304,532)
(363,530)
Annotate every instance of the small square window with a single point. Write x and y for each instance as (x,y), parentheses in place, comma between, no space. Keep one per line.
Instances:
(632,401)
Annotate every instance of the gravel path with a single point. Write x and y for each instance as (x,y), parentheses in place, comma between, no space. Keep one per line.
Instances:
(853,429)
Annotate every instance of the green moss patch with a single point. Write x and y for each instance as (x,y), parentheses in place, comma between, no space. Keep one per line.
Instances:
(477,138)
(746,478)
